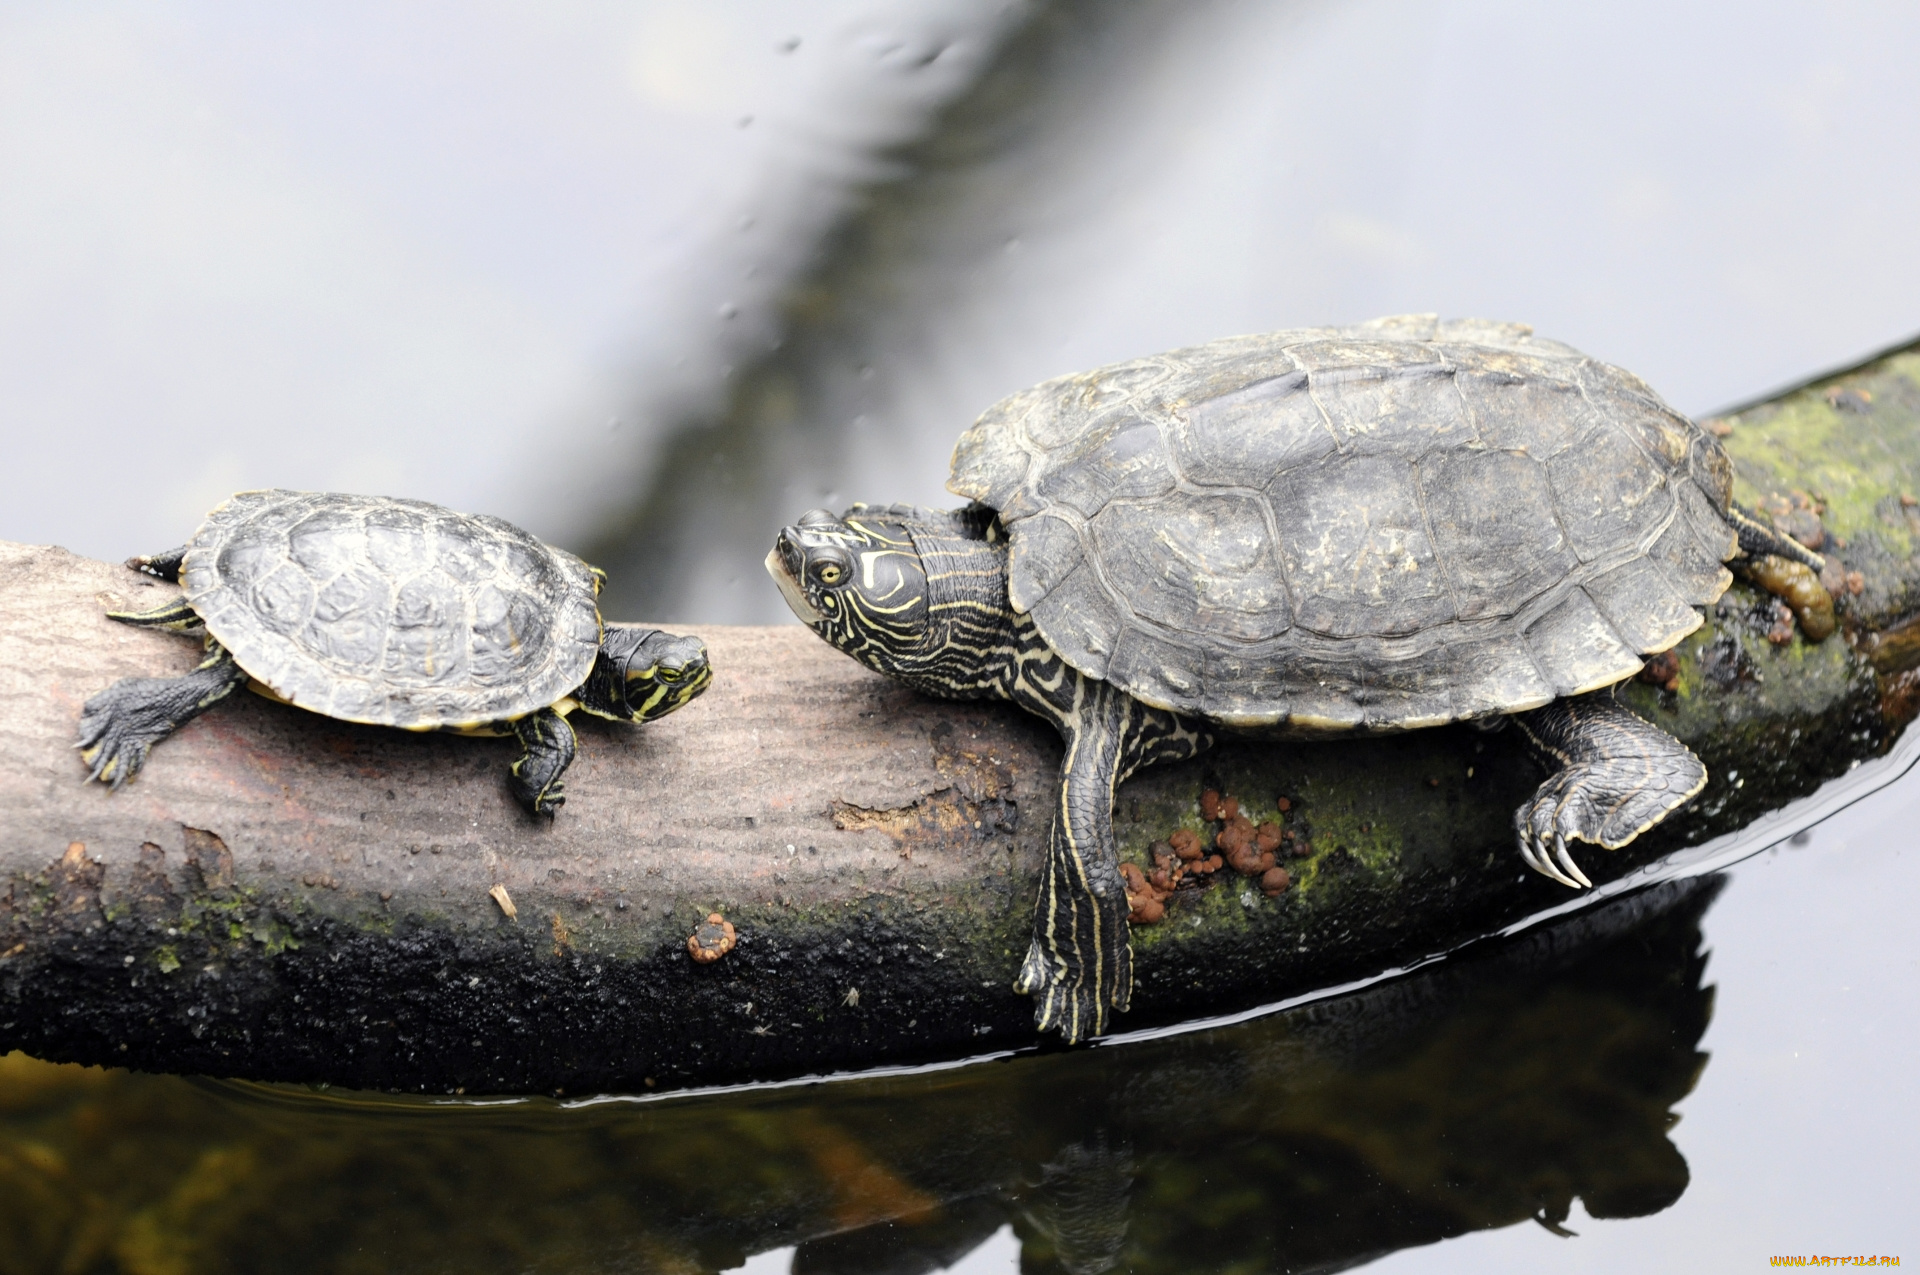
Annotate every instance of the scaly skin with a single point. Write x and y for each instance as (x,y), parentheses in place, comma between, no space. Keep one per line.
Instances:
(922,595)
(914,595)
(1615,776)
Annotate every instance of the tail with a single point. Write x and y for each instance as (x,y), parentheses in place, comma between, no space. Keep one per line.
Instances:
(1758,539)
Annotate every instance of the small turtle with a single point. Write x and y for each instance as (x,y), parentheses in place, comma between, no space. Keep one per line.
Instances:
(394,613)
(1309,533)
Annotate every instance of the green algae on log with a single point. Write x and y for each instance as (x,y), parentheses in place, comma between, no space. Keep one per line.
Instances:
(282,896)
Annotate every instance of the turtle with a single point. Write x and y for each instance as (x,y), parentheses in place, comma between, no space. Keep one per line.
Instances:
(393,613)
(1319,532)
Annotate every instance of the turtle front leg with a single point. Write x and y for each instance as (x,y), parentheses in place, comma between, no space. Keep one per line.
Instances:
(120,725)
(546,750)
(176,616)
(1618,776)
(1081,958)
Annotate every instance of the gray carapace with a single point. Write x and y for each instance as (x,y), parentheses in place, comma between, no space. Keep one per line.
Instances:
(1314,532)
(395,613)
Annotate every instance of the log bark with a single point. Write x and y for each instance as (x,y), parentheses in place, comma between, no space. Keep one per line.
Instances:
(281,896)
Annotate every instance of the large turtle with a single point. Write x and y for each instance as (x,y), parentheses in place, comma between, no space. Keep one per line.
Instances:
(1315,532)
(395,613)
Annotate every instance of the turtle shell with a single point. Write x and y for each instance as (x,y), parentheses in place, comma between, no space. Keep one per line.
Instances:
(393,612)
(1386,526)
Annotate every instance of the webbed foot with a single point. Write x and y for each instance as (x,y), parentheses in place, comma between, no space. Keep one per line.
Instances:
(120,725)
(1066,1000)
(1619,777)
(547,748)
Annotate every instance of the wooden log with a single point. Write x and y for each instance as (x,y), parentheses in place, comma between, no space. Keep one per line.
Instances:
(281,896)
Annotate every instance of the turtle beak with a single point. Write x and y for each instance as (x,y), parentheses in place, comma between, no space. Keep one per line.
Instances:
(784,564)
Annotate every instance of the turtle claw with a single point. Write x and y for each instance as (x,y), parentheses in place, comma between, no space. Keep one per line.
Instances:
(1531,859)
(1545,824)
(1617,777)
(1064,1002)
(1537,857)
(112,757)
(1566,861)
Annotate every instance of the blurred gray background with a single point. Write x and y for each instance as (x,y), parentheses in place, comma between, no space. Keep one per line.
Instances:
(653,278)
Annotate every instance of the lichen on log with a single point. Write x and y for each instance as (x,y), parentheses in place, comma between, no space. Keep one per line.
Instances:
(281,896)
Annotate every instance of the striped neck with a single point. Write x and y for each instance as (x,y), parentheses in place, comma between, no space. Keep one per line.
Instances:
(920,595)
(968,648)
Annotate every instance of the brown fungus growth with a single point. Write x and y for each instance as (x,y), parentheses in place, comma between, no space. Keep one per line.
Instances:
(712,939)
(1168,870)
(1251,861)
(1182,860)
(1144,894)
(1274,882)
(1662,670)
(1143,901)
(1780,631)
(1238,832)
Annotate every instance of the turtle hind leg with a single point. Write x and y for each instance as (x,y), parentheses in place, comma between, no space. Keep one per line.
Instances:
(165,566)
(120,725)
(546,750)
(1617,776)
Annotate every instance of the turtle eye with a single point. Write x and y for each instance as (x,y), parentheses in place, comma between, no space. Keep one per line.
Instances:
(817,518)
(830,567)
(668,674)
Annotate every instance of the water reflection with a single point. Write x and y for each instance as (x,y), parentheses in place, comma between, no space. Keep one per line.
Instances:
(1129,178)
(1484,1092)
(519,259)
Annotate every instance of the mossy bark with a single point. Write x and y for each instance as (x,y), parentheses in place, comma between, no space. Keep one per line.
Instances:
(280,896)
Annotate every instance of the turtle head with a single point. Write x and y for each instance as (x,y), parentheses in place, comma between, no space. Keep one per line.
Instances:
(642,674)
(917,594)
(857,581)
